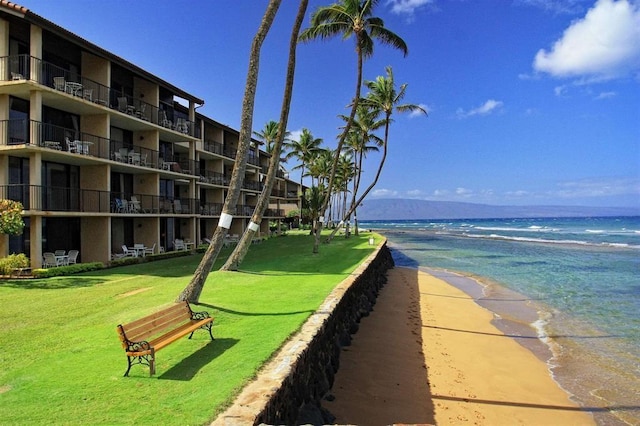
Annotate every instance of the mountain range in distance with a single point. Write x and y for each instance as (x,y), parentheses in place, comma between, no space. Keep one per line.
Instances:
(406,209)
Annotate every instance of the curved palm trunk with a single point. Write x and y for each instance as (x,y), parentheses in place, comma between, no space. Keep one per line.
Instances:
(375,180)
(343,137)
(356,187)
(193,290)
(241,249)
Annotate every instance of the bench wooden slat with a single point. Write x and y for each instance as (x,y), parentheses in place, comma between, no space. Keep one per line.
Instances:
(143,337)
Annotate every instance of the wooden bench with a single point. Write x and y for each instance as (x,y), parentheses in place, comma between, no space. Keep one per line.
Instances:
(141,339)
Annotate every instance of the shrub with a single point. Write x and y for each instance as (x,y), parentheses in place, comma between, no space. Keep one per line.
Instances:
(13,261)
(11,222)
(67,270)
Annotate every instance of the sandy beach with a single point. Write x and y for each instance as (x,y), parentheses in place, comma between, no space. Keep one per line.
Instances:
(428,354)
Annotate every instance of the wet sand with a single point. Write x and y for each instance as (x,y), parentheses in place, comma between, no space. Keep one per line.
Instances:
(428,354)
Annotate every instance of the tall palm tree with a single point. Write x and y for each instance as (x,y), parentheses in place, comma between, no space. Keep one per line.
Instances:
(304,149)
(277,138)
(193,290)
(346,18)
(320,166)
(269,135)
(365,123)
(383,97)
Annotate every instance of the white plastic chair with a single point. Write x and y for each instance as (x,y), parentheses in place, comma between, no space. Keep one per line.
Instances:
(127,252)
(73,256)
(59,83)
(150,250)
(49,260)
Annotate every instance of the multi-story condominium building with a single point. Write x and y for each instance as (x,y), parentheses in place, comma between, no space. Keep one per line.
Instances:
(102,153)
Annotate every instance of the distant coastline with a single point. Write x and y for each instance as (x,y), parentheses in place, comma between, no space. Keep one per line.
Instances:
(409,209)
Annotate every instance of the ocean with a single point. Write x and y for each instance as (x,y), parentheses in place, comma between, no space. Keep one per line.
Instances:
(575,282)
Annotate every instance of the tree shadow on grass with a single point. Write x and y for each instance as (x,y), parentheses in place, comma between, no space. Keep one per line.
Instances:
(187,368)
(254,314)
(54,283)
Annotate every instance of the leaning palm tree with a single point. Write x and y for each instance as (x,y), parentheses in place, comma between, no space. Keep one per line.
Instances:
(383,96)
(277,137)
(304,149)
(347,18)
(362,142)
(192,292)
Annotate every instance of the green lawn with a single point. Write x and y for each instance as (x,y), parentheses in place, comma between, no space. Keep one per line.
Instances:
(62,363)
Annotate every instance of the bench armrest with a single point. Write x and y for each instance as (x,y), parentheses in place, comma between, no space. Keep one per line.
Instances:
(138,346)
(200,315)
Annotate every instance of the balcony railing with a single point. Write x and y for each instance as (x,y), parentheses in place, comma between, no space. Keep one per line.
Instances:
(25,67)
(211,209)
(28,132)
(214,147)
(252,185)
(75,200)
(214,178)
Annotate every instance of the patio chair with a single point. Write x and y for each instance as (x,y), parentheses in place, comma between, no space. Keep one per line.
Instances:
(122,104)
(179,245)
(127,252)
(88,94)
(49,260)
(16,76)
(59,83)
(162,119)
(134,205)
(73,256)
(143,160)
(72,146)
(177,207)
(150,250)
(124,155)
(140,113)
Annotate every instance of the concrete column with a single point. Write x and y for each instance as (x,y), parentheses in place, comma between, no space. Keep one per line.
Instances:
(35,200)
(35,50)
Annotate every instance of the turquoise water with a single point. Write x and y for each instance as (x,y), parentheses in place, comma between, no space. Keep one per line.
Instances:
(582,277)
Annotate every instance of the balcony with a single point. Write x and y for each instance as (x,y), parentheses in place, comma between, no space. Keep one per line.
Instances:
(28,68)
(37,198)
(214,178)
(71,141)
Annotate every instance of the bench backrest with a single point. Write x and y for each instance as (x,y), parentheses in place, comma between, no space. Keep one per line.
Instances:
(152,325)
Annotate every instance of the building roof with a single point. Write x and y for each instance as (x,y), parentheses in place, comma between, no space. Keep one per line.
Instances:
(15,9)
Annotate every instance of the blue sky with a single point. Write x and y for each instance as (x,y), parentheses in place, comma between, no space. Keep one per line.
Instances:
(530,101)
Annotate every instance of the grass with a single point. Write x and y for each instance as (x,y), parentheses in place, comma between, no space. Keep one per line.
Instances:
(62,362)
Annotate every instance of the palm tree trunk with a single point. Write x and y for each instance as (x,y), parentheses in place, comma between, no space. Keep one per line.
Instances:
(375,180)
(193,290)
(343,137)
(241,249)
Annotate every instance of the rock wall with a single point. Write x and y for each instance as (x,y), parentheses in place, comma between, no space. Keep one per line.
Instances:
(291,386)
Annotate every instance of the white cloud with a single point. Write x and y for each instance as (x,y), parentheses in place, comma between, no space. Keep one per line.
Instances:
(560,90)
(555,6)
(415,193)
(407,7)
(597,187)
(487,108)
(605,44)
(384,193)
(606,95)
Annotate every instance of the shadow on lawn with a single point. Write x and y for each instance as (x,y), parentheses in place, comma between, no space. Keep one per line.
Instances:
(56,283)
(188,367)
(255,314)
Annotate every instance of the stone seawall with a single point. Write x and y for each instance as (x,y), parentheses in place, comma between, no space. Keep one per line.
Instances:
(289,389)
